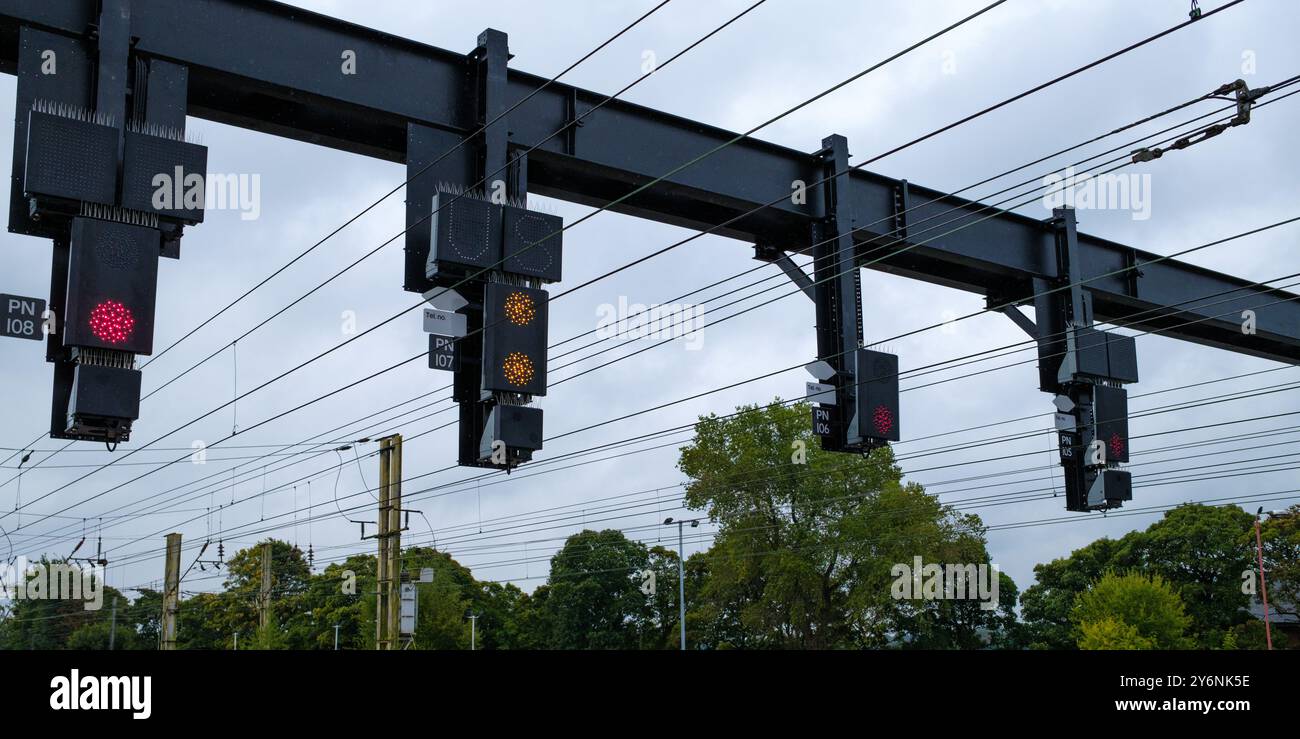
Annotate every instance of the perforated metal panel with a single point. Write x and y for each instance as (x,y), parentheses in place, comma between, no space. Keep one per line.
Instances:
(465,232)
(146,157)
(533,243)
(70,158)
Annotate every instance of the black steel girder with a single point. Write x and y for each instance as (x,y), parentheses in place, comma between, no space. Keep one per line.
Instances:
(274,68)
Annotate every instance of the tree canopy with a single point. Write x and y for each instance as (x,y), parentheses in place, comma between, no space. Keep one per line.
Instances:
(797,548)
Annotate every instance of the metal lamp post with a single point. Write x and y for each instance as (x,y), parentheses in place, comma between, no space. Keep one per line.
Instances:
(681,574)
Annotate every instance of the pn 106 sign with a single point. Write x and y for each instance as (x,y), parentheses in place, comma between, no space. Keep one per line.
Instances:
(22,318)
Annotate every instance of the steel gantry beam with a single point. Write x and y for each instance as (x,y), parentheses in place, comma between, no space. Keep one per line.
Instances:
(274,68)
(466,125)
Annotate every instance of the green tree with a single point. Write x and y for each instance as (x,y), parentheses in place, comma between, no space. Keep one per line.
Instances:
(1134,610)
(1110,633)
(808,540)
(91,636)
(594,600)
(714,618)
(660,612)
(267,638)
(533,619)
(1202,552)
(1280,534)
(498,607)
(56,623)
(343,595)
(145,616)
(1251,635)
(1046,605)
(199,624)
(290,575)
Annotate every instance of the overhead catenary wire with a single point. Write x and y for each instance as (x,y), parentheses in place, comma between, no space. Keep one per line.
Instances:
(583,219)
(984,500)
(1022,166)
(509,109)
(1115,130)
(1271,495)
(1129,126)
(688,427)
(1236,396)
(445,469)
(1183,253)
(1065,519)
(1122,128)
(387,195)
(1013,493)
(457,196)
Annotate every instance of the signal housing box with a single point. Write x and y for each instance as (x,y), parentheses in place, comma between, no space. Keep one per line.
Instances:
(111,263)
(514,339)
(104,402)
(1110,411)
(876,396)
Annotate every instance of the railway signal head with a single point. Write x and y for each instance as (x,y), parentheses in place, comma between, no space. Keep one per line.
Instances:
(876,397)
(112,286)
(514,339)
(108,319)
(1110,413)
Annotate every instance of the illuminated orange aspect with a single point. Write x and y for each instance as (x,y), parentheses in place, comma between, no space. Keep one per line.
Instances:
(520,309)
(518,369)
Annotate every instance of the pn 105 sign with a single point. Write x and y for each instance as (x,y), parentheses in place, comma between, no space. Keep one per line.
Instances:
(22,318)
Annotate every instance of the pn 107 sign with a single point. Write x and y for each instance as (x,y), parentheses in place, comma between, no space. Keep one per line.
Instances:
(22,318)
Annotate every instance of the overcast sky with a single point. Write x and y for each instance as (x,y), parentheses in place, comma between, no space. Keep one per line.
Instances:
(778,55)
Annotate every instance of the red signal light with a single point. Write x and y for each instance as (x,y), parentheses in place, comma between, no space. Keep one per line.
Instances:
(883,419)
(1116,446)
(112,322)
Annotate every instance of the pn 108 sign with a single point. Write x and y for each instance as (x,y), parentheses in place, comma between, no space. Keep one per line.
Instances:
(22,318)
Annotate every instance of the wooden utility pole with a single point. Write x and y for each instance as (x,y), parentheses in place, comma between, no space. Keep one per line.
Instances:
(264,601)
(390,541)
(171,592)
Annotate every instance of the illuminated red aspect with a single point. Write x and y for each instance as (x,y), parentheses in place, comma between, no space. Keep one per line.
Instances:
(1116,446)
(112,322)
(883,419)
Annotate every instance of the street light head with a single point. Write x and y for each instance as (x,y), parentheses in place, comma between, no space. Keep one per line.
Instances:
(695,524)
(668,520)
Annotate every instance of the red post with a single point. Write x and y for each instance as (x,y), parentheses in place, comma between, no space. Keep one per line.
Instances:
(1263,588)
